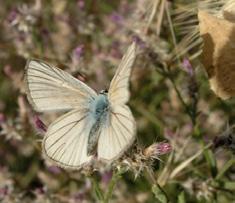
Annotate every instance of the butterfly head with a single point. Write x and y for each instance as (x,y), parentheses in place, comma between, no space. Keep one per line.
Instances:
(104,92)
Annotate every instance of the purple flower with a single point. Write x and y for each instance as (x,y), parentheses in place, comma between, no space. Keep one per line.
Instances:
(54,169)
(187,67)
(79,196)
(81,4)
(2,118)
(8,71)
(3,191)
(115,50)
(163,148)
(139,41)
(39,124)
(78,52)
(106,177)
(116,18)
(168,133)
(12,15)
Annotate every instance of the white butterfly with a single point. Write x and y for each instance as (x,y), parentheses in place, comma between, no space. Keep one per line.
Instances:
(96,123)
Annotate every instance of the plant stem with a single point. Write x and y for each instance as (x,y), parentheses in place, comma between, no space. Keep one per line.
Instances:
(226,166)
(191,113)
(109,193)
(99,193)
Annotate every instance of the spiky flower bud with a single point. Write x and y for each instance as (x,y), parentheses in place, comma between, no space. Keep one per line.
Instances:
(156,149)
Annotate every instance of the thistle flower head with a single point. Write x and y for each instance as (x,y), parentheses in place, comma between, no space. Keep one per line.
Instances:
(140,159)
(157,149)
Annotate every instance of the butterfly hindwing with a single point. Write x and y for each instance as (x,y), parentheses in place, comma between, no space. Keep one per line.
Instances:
(117,133)
(66,139)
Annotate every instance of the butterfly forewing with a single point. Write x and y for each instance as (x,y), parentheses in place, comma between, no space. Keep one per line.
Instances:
(118,131)
(119,87)
(51,89)
(66,140)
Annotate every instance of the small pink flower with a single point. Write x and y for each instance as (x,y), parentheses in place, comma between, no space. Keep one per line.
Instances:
(39,124)
(163,148)
(139,41)
(168,133)
(187,67)
(78,52)
(116,18)
(157,149)
(54,169)
(79,196)
(2,118)
(13,14)
(106,177)
(81,4)
(4,191)
(8,71)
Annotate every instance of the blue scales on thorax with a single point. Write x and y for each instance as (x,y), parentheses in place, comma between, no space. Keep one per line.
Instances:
(98,112)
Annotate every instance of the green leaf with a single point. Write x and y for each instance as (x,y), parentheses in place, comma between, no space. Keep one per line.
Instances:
(210,158)
(97,189)
(226,166)
(160,195)
(181,198)
(229,185)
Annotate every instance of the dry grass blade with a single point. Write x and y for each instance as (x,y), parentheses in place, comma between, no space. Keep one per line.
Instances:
(186,23)
(184,164)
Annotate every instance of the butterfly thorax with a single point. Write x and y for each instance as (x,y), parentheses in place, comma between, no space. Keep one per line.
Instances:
(99,105)
(99,108)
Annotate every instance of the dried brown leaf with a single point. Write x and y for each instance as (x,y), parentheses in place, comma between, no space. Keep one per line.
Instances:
(218,55)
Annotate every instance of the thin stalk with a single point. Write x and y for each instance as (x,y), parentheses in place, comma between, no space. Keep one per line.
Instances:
(230,163)
(185,163)
(172,30)
(179,95)
(160,17)
(167,74)
(151,175)
(99,193)
(113,182)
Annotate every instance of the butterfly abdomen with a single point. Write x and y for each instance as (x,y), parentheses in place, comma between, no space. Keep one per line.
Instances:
(99,110)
